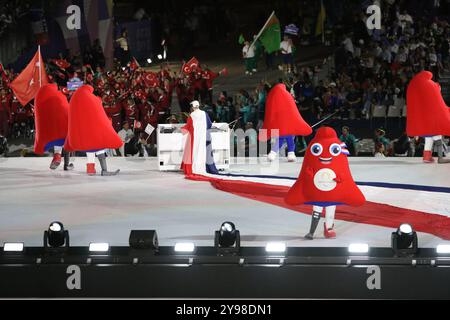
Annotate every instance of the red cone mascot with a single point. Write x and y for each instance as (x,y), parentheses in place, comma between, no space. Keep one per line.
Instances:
(325,181)
(427,114)
(90,130)
(283,122)
(51,122)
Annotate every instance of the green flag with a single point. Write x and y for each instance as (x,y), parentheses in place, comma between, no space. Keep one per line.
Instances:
(271,34)
(241,39)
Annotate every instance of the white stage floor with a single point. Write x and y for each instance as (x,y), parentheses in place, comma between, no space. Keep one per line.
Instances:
(105,209)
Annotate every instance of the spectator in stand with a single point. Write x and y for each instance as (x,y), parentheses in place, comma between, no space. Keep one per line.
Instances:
(403,146)
(126,134)
(287,54)
(379,151)
(124,50)
(380,138)
(249,55)
(349,139)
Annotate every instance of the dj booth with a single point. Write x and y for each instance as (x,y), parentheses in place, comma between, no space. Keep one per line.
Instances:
(171,144)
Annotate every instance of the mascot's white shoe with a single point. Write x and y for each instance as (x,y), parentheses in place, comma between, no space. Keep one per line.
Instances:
(272,156)
(292,157)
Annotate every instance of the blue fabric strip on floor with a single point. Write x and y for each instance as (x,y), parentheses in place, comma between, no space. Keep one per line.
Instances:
(367,184)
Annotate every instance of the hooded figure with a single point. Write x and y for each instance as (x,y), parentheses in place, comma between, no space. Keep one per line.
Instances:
(325,181)
(427,114)
(90,130)
(51,123)
(283,122)
(198,153)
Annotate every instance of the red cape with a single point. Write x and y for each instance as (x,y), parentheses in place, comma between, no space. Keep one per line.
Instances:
(315,185)
(427,113)
(89,126)
(51,118)
(282,114)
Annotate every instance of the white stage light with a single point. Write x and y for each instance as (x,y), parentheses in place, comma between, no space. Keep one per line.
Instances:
(165,55)
(185,247)
(99,247)
(443,249)
(276,247)
(358,248)
(160,57)
(149,60)
(13,247)
(406,228)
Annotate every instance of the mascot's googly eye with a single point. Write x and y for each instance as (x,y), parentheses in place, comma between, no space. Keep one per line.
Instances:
(335,149)
(316,149)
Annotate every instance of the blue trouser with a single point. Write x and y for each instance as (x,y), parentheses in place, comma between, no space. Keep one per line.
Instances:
(290,140)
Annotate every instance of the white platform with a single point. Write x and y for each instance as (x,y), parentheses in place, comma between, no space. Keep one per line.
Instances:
(105,209)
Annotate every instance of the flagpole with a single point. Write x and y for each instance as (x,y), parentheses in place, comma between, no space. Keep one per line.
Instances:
(40,67)
(322,9)
(262,30)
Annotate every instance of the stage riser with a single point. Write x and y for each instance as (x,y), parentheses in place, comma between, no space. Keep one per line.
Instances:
(227,281)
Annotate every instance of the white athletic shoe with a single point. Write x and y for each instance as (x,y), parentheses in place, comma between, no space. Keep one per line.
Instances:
(292,157)
(272,156)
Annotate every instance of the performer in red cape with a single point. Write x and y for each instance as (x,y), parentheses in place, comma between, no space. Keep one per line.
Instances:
(282,121)
(325,181)
(51,122)
(90,130)
(427,114)
(198,155)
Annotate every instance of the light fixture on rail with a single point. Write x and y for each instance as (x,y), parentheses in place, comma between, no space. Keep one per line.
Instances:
(16,247)
(404,240)
(144,240)
(98,247)
(358,248)
(149,61)
(160,57)
(56,236)
(443,249)
(184,247)
(276,248)
(227,240)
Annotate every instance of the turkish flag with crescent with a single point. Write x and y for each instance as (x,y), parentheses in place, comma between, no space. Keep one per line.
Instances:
(151,79)
(190,66)
(32,78)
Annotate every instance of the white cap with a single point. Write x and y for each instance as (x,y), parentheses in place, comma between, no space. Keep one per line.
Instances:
(195,104)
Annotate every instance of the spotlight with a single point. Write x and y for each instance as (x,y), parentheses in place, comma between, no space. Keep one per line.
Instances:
(276,247)
(123,69)
(56,236)
(160,57)
(404,240)
(165,55)
(358,248)
(227,239)
(149,61)
(98,247)
(184,247)
(144,240)
(443,249)
(13,247)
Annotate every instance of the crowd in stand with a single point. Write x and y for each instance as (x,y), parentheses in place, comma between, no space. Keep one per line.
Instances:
(371,68)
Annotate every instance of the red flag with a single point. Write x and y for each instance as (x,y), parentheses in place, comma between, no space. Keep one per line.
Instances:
(4,75)
(224,72)
(32,78)
(61,63)
(137,124)
(190,66)
(134,64)
(151,79)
